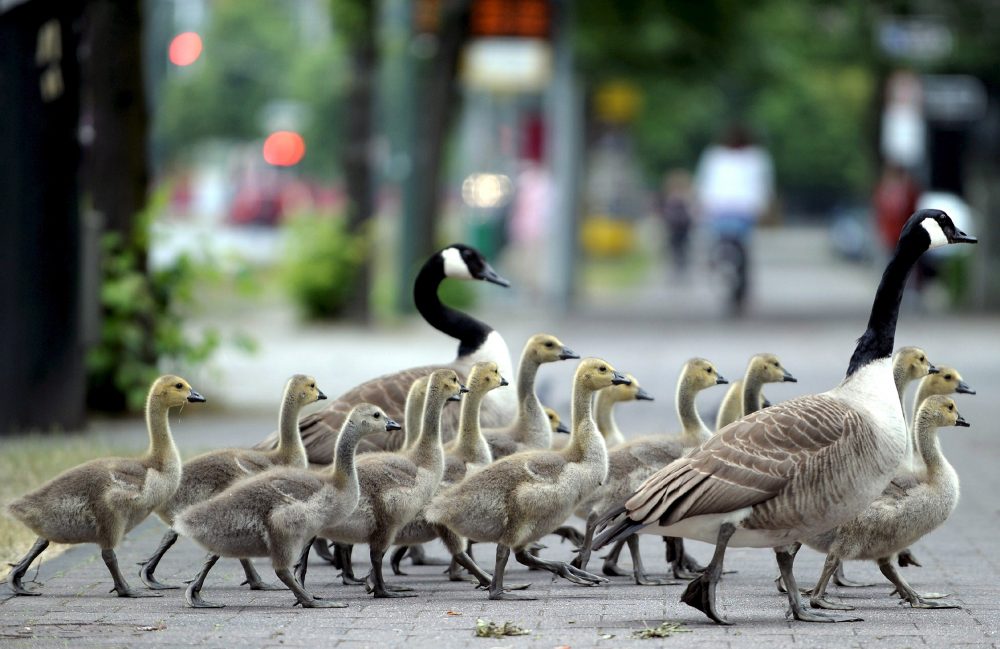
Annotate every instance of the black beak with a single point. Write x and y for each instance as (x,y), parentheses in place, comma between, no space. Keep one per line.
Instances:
(963,388)
(788,378)
(567,354)
(462,389)
(720,380)
(319,395)
(455,397)
(960,237)
(931,369)
(391,425)
(642,395)
(765,403)
(961,422)
(194,397)
(561,428)
(503,382)
(617,378)
(491,276)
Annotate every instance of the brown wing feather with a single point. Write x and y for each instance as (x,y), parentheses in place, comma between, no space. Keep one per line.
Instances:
(750,461)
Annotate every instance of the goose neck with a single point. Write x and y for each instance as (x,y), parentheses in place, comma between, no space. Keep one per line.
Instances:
(605,418)
(290,450)
(532,426)
(693,428)
(929,448)
(413,414)
(428,450)
(752,387)
(470,439)
(344,472)
(585,436)
(469,332)
(162,450)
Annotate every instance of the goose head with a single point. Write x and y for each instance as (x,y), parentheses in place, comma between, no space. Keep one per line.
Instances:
(946,380)
(445,383)
(630,391)
(939,410)
(460,261)
(555,422)
(546,348)
(699,374)
(913,362)
(596,374)
(484,377)
(173,391)
(767,368)
(303,389)
(928,229)
(368,419)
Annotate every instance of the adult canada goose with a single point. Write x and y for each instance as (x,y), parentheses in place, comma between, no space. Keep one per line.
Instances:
(276,513)
(531,429)
(395,487)
(102,500)
(211,473)
(908,509)
(631,463)
(477,341)
(520,498)
(746,396)
(798,468)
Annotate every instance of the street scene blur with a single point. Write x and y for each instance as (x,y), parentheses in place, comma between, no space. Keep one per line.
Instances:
(236,191)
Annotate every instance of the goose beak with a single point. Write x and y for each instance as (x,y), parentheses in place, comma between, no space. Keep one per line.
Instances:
(455,397)
(194,397)
(961,422)
(561,428)
(963,388)
(567,354)
(319,395)
(720,380)
(503,382)
(617,378)
(642,395)
(788,378)
(462,389)
(391,424)
(932,369)
(960,237)
(765,403)
(491,276)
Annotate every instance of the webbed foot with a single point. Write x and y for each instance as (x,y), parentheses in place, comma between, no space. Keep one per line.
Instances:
(147,577)
(700,594)
(907,558)
(823,602)
(806,615)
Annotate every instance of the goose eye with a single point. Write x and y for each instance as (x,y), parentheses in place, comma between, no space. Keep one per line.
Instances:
(549,344)
(312,385)
(950,408)
(921,359)
(179,386)
(377,415)
(947,377)
(603,369)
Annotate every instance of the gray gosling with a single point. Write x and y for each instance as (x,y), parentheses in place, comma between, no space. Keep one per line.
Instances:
(522,497)
(745,396)
(395,487)
(947,380)
(631,463)
(276,513)
(531,429)
(604,409)
(102,500)
(909,508)
(211,473)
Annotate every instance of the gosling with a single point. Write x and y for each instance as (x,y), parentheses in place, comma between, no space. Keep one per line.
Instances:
(745,396)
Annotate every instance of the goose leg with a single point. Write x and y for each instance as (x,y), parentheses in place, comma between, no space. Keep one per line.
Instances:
(496,589)
(907,558)
(303,563)
(254,579)
(192,596)
(638,572)
(583,556)
(121,586)
(322,549)
(343,552)
(779,583)
(302,597)
(569,533)
(700,592)
(786,559)
(841,580)
(418,557)
(564,570)
(375,583)
(18,569)
(396,557)
(149,565)
(683,565)
(906,592)
(610,566)
(817,598)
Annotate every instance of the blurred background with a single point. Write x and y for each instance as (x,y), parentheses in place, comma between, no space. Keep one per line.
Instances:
(230,189)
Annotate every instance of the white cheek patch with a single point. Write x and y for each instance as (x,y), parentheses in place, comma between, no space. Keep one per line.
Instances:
(937,235)
(454,266)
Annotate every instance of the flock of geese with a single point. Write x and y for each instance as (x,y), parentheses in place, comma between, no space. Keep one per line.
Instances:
(840,472)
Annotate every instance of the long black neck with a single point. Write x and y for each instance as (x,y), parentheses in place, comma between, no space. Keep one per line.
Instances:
(878,340)
(471,333)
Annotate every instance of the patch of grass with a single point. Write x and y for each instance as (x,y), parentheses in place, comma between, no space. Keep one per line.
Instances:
(616,272)
(665,630)
(28,461)
(485,629)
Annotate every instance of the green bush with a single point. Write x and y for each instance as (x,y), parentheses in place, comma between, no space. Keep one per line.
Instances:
(322,264)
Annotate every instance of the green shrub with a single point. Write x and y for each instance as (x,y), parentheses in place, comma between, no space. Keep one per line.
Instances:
(322,264)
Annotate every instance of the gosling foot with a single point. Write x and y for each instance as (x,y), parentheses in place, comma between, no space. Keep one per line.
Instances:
(192,597)
(823,602)
(807,615)
(907,558)
(149,579)
(612,569)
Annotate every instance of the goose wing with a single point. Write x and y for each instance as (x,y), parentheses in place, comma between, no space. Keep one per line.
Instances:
(127,481)
(750,461)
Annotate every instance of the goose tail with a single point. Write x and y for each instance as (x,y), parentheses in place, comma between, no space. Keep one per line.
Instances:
(615,525)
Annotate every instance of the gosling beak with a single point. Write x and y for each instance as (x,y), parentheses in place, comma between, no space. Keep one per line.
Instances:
(960,237)
(319,395)
(491,276)
(503,382)
(455,397)
(617,378)
(766,403)
(720,380)
(462,389)
(932,369)
(391,424)
(961,422)
(787,377)
(642,395)
(567,354)
(963,388)
(194,397)
(561,428)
